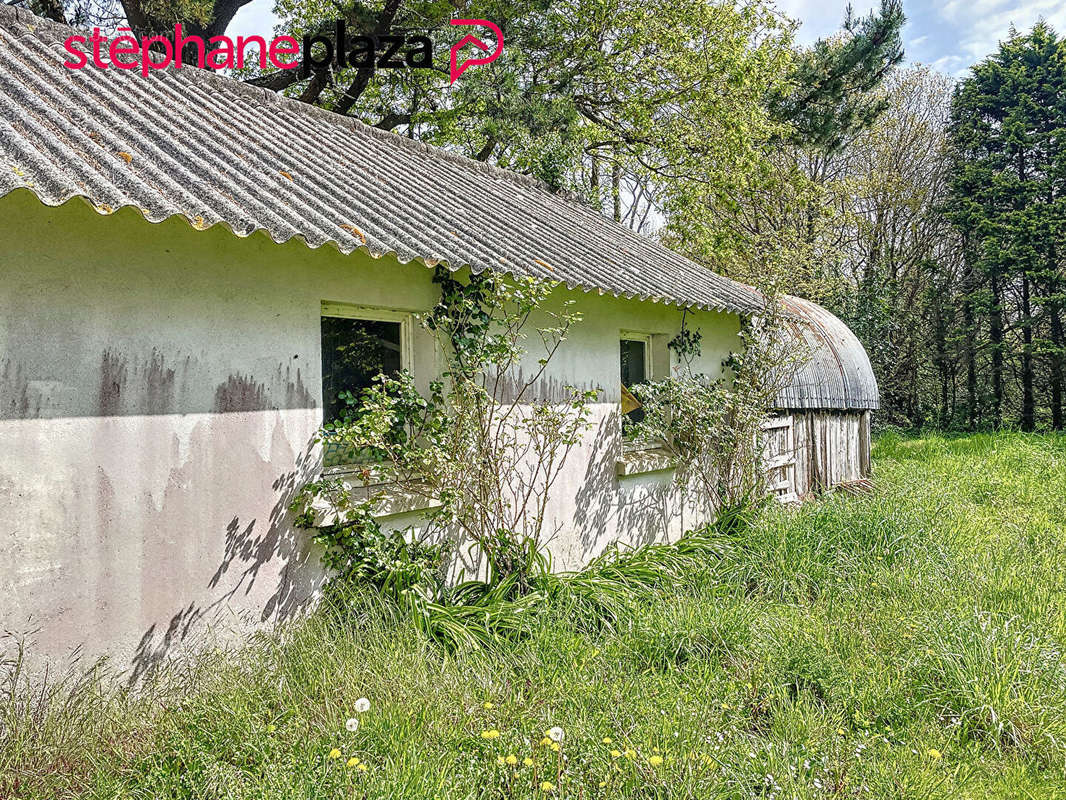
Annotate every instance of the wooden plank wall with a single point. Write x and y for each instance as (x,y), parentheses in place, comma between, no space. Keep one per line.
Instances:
(831,447)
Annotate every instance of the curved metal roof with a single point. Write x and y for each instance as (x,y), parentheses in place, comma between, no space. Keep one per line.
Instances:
(190,143)
(838,374)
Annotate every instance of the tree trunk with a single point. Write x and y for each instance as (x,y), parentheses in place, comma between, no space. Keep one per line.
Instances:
(971,362)
(995,333)
(1028,401)
(616,189)
(941,344)
(1055,313)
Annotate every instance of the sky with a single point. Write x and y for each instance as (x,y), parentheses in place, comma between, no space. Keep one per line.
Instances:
(949,36)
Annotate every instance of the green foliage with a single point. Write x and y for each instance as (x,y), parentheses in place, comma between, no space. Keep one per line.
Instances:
(604,98)
(479,447)
(832,92)
(359,554)
(1007,200)
(907,643)
(713,428)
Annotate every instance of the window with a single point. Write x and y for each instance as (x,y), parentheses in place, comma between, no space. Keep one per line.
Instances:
(358,344)
(635,368)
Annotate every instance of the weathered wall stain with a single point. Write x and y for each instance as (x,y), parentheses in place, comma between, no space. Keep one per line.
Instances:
(296,394)
(545,389)
(240,393)
(146,389)
(132,384)
(112,383)
(15,401)
(158,385)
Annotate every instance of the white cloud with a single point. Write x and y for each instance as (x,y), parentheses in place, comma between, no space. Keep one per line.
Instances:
(979,25)
(819,19)
(255,19)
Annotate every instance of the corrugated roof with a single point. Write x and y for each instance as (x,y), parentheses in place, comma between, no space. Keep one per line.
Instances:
(192,143)
(838,374)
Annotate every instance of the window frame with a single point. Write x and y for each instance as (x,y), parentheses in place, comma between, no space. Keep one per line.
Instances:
(635,445)
(645,339)
(374,314)
(336,310)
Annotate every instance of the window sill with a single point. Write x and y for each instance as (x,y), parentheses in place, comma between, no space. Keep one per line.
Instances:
(357,475)
(644,460)
(365,481)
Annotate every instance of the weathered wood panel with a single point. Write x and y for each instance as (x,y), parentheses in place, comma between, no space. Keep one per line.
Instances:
(829,448)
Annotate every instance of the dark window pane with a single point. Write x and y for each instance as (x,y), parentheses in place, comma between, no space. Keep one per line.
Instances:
(633,355)
(354,352)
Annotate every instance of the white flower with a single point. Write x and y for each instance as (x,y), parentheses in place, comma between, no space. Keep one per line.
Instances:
(556,734)
(352,725)
(362,705)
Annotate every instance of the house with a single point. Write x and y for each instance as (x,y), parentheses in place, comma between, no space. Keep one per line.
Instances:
(181,253)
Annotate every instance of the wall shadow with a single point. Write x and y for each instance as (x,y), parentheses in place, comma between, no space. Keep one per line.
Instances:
(251,546)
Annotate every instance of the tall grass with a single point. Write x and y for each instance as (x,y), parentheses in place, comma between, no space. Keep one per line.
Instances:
(908,644)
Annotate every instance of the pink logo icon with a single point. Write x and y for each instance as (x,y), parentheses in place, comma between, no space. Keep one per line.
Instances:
(459,69)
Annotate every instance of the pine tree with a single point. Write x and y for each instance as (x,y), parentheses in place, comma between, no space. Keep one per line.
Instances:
(832,89)
(1008,197)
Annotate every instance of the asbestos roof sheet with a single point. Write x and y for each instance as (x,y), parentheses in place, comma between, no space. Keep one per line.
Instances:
(195,144)
(837,374)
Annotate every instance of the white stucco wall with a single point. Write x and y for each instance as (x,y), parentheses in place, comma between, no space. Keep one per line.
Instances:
(159,391)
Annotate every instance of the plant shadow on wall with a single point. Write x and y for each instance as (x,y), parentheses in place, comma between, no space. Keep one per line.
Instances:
(250,546)
(484,447)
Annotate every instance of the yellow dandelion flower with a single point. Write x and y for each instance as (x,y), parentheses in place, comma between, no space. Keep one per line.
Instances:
(655,760)
(933,754)
(487,705)
(361,767)
(555,746)
(601,784)
(607,740)
(334,754)
(527,761)
(353,762)
(512,760)
(547,786)
(500,760)
(840,731)
(492,734)
(271,728)
(545,742)
(615,753)
(630,753)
